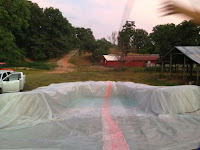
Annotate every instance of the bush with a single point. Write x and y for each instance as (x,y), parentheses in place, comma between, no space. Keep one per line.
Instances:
(35,65)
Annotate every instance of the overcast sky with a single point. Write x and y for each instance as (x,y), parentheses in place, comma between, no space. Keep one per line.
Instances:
(105,16)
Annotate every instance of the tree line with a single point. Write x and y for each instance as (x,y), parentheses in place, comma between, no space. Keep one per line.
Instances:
(26,30)
(162,39)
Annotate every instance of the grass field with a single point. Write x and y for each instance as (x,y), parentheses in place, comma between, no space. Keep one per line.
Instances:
(86,71)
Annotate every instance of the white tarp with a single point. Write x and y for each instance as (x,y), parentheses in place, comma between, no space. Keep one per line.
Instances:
(68,116)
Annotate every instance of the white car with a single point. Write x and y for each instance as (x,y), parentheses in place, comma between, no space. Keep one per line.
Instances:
(11,81)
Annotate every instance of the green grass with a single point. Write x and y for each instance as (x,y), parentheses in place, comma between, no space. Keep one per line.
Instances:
(33,65)
(38,78)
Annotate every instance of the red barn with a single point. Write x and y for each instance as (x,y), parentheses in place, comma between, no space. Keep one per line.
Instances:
(110,60)
(134,60)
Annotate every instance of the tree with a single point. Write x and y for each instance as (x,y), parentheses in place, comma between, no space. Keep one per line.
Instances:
(113,38)
(164,38)
(49,34)
(102,48)
(141,40)
(61,34)
(14,16)
(8,49)
(86,39)
(188,34)
(125,37)
(36,41)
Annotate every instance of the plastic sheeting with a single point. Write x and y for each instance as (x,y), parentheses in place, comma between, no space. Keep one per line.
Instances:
(68,116)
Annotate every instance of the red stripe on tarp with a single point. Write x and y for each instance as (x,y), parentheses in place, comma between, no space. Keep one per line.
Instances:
(112,134)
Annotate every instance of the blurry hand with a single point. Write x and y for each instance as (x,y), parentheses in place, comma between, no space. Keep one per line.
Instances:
(171,8)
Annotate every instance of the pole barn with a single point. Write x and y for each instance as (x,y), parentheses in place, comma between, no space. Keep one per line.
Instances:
(186,58)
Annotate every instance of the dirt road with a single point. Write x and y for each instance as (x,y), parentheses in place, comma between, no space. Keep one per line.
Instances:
(64,65)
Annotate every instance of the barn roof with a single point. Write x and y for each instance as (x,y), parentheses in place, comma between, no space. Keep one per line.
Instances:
(111,57)
(193,52)
(142,57)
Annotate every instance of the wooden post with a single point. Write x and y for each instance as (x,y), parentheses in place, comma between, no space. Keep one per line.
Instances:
(197,74)
(191,70)
(170,64)
(184,69)
(162,65)
(187,69)
(175,67)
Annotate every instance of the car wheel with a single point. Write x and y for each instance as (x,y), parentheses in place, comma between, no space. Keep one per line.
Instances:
(0,91)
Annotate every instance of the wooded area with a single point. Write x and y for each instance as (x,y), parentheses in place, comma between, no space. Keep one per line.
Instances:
(26,30)
(162,39)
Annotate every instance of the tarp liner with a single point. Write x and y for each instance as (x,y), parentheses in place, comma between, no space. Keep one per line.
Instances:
(68,116)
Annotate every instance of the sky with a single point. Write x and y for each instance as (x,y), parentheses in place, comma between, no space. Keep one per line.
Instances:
(105,16)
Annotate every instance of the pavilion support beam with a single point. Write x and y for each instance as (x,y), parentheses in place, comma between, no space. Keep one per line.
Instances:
(191,70)
(162,66)
(187,70)
(184,62)
(175,67)
(170,65)
(197,73)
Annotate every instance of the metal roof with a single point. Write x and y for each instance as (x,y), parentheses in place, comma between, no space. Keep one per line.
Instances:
(142,57)
(193,52)
(111,57)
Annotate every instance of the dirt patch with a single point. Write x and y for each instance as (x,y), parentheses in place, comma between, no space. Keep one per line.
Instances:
(174,80)
(100,68)
(63,64)
(28,60)
(84,60)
